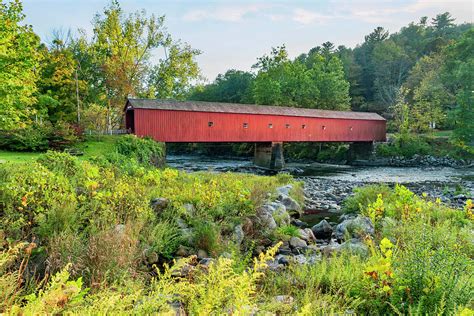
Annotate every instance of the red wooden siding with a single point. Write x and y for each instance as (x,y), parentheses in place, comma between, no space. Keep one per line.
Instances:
(193,126)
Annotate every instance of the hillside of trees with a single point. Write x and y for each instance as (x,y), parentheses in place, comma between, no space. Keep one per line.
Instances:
(423,73)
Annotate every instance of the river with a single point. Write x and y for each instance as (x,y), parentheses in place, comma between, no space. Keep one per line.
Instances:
(326,186)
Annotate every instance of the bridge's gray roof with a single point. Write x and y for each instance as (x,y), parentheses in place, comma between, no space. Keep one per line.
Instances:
(219,107)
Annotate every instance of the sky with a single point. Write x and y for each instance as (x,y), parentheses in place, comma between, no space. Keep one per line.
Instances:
(233,34)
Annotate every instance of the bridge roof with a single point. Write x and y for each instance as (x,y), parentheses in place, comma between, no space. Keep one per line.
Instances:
(219,107)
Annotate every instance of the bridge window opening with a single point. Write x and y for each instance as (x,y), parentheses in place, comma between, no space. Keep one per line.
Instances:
(324,127)
(287,125)
(246,125)
(303,126)
(210,124)
(270,125)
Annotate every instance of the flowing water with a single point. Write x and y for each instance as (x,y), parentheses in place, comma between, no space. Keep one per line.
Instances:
(322,180)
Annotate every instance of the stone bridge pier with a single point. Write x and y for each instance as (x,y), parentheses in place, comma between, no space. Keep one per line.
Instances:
(269,155)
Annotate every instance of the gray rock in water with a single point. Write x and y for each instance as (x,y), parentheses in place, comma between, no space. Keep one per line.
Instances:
(322,230)
(355,228)
(296,242)
(290,204)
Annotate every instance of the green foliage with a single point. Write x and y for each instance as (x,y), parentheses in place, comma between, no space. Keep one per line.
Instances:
(18,60)
(36,200)
(405,145)
(233,87)
(287,231)
(144,150)
(314,81)
(163,238)
(363,196)
(59,293)
(39,137)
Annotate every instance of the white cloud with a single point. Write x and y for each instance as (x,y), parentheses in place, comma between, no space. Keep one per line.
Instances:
(376,11)
(223,13)
(308,17)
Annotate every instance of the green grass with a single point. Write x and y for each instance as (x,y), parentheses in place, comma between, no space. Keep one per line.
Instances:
(15,157)
(97,146)
(91,147)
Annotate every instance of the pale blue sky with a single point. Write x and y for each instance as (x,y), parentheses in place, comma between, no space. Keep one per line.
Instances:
(232,34)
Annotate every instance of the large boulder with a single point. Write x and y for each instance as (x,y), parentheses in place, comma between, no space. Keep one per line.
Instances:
(354,228)
(279,213)
(322,230)
(265,217)
(285,189)
(296,242)
(290,204)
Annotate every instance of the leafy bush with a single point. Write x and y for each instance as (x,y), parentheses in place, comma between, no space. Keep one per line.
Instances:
(206,236)
(433,272)
(163,239)
(39,137)
(36,201)
(144,150)
(363,196)
(406,145)
(287,231)
(31,138)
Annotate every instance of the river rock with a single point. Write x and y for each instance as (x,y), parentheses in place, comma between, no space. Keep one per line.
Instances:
(330,249)
(183,251)
(279,213)
(355,228)
(296,242)
(322,230)
(238,235)
(267,221)
(285,189)
(307,235)
(290,204)
(159,204)
(189,209)
(355,246)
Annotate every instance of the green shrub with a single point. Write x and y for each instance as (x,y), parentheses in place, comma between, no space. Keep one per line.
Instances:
(287,231)
(363,196)
(434,274)
(39,137)
(162,238)
(206,236)
(406,145)
(144,150)
(31,138)
(36,201)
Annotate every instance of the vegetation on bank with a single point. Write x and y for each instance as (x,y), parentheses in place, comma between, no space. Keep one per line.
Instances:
(103,236)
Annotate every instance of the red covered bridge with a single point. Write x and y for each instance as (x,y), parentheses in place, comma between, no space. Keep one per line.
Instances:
(268,126)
